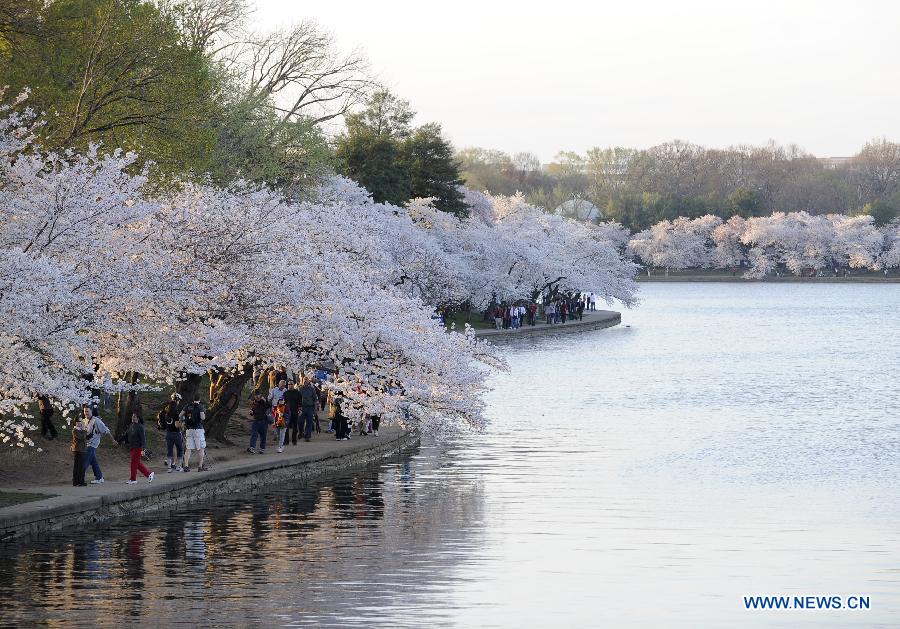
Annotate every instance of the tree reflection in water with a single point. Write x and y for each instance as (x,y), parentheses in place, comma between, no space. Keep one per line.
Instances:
(340,550)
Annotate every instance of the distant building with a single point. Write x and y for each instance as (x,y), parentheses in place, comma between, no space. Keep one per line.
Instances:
(580,210)
(836,163)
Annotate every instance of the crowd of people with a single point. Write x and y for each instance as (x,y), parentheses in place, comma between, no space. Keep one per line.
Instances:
(291,408)
(557,309)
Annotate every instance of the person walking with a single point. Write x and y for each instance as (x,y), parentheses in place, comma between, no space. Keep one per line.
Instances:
(94,429)
(277,393)
(260,411)
(169,421)
(192,417)
(309,406)
(137,441)
(78,449)
(48,430)
(292,403)
(280,415)
(341,425)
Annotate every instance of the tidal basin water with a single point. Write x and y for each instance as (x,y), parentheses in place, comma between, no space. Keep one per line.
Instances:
(726,441)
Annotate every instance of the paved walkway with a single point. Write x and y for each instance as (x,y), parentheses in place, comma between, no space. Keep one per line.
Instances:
(67,499)
(594,320)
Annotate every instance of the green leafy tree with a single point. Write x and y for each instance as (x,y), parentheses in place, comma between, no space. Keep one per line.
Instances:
(113,72)
(745,202)
(374,162)
(432,169)
(395,162)
(883,211)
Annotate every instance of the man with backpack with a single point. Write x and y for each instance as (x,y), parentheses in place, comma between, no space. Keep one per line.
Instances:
(168,420)
(193,416)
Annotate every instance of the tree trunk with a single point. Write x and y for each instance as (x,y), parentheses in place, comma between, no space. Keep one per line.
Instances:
(227,397)
(262,382)
(128,403)
(187,388)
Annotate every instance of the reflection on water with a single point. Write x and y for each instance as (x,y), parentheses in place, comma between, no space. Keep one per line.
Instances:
(726,440)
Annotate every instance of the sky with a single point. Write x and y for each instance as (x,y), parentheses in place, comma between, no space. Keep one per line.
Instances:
(562,75)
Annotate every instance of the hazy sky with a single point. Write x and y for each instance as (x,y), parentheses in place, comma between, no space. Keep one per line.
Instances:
(548,76)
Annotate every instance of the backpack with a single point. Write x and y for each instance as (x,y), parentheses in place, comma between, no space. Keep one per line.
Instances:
(193,415)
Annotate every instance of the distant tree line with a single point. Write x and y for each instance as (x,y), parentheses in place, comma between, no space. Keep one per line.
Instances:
(639,188)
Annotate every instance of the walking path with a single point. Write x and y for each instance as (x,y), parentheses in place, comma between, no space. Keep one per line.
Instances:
(97,503)
(593,320)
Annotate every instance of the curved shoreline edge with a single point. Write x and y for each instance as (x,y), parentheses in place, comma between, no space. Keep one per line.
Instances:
(59,512)
(596,320)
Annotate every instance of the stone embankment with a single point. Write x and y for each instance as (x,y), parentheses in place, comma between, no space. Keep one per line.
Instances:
(98,504)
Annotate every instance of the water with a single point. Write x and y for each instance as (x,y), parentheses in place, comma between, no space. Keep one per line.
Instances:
(735,440)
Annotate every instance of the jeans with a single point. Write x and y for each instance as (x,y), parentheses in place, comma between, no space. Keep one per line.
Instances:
(307,419)
(174,443)
(259,428)
(280,434)
(91,460)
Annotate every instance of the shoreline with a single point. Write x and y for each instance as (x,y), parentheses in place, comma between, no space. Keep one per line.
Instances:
(593,320)
(98,504)
(861,279)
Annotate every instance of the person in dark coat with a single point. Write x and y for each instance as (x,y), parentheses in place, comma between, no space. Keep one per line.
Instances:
(309,406)
(260,410)
(48,430)
(78,450)
(291,399)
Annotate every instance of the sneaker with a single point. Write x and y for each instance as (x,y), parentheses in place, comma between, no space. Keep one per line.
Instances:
(251,451)
(375,433)
(169,470)
(150,478)
(97,481)
(280,450)
(202,468)
(308,439)
(261,451)
(185,469)
(131,482)
(179,469)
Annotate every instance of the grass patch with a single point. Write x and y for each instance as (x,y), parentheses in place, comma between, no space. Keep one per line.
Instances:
(10,498)
(459,318)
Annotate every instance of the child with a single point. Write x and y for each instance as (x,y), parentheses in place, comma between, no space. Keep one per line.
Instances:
(78,449)
(280,412)
(136,443)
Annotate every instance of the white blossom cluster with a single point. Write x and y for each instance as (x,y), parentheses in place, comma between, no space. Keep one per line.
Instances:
(102,275)
(796,241)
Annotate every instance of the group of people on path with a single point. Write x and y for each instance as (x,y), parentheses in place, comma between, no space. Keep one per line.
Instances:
(556,310)
(184,435)
(292,409)
(513,317)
